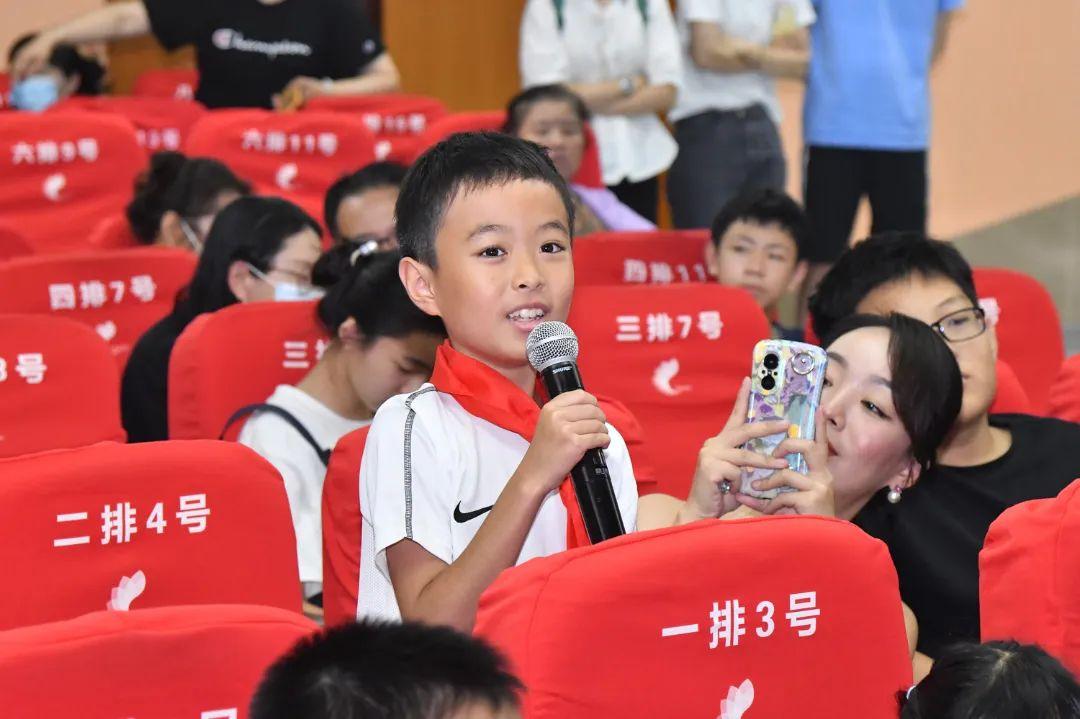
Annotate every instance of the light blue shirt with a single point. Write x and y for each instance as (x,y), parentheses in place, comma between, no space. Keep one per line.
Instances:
(869,84)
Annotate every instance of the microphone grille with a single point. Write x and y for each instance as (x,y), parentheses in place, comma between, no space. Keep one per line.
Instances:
(551,342)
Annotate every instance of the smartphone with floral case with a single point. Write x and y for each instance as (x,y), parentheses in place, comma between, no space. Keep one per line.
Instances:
(785,384)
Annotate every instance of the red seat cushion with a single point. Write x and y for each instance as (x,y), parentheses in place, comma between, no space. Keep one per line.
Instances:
(175,83)
(1029,583)
(210,376)
(191,662)
(635,626)
(160,123)
(660,257)
(681,353)
(64,171)
(59,386)
(120,294)
(199,522)
(341,529)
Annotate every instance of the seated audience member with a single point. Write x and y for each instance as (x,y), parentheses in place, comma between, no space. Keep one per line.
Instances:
(177,198)
(258,249)
(382,345)
(1003,680)
(360,207)
(554,117)
(757,242)
(374,670)
(472,462)
(985,465)
(66,72)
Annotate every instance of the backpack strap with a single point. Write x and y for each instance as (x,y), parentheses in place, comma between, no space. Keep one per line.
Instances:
(560,19)
(643,8)
(324,454)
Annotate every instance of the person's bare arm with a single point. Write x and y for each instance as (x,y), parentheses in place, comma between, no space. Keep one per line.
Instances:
(713,49)
(111,22)
(788,55)
(381,75)
(598,96)
(941,35)
(649,99)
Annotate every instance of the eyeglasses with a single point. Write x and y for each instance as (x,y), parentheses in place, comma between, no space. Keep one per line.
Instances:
(375,242)
(961,325)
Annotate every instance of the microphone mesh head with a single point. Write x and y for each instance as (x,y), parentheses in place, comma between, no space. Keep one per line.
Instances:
(549,343)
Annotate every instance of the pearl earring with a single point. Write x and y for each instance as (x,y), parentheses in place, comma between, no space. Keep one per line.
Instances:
(895,495)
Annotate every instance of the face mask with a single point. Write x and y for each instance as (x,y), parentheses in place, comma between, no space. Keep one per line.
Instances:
(288,291)
(35,93)
(191,236)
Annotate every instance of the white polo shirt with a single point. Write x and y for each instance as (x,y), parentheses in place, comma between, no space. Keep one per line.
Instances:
(430,470)
(301,468)
(600,43)
(753,21)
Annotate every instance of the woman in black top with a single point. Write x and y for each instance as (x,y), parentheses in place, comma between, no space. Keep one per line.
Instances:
(258,249)
(247,51)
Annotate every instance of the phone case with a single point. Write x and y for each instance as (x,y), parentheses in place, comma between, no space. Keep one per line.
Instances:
(795,395)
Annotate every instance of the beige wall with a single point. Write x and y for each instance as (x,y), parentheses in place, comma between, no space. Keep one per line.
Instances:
(21,16)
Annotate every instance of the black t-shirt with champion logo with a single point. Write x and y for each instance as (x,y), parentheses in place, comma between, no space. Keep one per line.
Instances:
(247,51)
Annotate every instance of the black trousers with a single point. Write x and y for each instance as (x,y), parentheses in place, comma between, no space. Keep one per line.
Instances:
(641,197)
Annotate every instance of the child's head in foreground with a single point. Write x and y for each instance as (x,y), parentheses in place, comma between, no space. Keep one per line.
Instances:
(484,227)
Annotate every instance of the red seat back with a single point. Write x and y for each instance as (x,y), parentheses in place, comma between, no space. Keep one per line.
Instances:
(1065,399)
(59,386)
(13,244)
(120,294)
(145,525)
(160,123)
(234,357)
(1029,583)
(293,155)
(1029,331)
(660,257)
(341,523)
(1010,397)
(655,625)
(397,120)
(589,174)
(111,233)
(173,84)
(5,91)
(681,353)
(191,662)
(64,171)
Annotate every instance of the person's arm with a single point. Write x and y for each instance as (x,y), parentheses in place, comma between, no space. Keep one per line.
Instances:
(649,99)
(787,56)
(431,590)
(380,75)
(713,49)
(111,22)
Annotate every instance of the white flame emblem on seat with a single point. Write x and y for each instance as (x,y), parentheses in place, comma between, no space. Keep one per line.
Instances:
(663,376)
(53,185)
(286,175)
(127,591)
(737,701)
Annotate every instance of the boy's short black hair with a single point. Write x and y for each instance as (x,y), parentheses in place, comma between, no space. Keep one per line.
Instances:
(764,207)
(879,260)
(463,162)
(368,177)
(376,670)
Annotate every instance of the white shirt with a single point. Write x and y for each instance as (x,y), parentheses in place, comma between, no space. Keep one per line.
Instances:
(602,43)
(750,20)
(300,467)
(426,457)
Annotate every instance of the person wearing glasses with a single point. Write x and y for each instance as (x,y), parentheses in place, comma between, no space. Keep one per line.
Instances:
(359,207)
(986,464)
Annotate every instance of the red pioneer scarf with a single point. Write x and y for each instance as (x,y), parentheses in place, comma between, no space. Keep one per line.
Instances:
(486,394)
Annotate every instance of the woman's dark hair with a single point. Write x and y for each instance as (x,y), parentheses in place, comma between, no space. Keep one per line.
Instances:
(927,389)
(187,186)
(995,680)
(369,177)
(251,229)
(521,103)
(366,287)
(68,60)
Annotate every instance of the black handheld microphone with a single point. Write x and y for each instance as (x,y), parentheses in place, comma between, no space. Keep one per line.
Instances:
(552,348)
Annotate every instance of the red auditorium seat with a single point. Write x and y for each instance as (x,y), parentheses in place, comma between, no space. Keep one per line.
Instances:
(59,386)
(13,244)
(1029,331)
(160,123)
(175,84)
(5,91)
(397,120)
(201,662)
(235,357)
(588,174)
(341,529)
(1065,398)
(120,294)
(293,155)
(143,525)
(1011,397)
(799,616)
(660,257)
(1029,585)
(681,352)
(112,233)
(64,171)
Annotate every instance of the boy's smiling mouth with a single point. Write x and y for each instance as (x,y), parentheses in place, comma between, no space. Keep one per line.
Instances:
(525,318)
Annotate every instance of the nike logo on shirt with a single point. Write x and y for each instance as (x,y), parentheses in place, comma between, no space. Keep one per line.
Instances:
(463,517)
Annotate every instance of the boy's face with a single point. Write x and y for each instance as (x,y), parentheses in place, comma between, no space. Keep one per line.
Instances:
(762,259)
(929,299)
(504,266)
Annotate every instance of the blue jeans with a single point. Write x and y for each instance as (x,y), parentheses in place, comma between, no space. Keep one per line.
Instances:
(722,153)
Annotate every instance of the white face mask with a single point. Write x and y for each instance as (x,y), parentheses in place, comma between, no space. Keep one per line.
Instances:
(191,236)
(288,291)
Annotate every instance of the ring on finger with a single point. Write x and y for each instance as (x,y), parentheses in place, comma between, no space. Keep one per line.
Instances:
(725,487)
